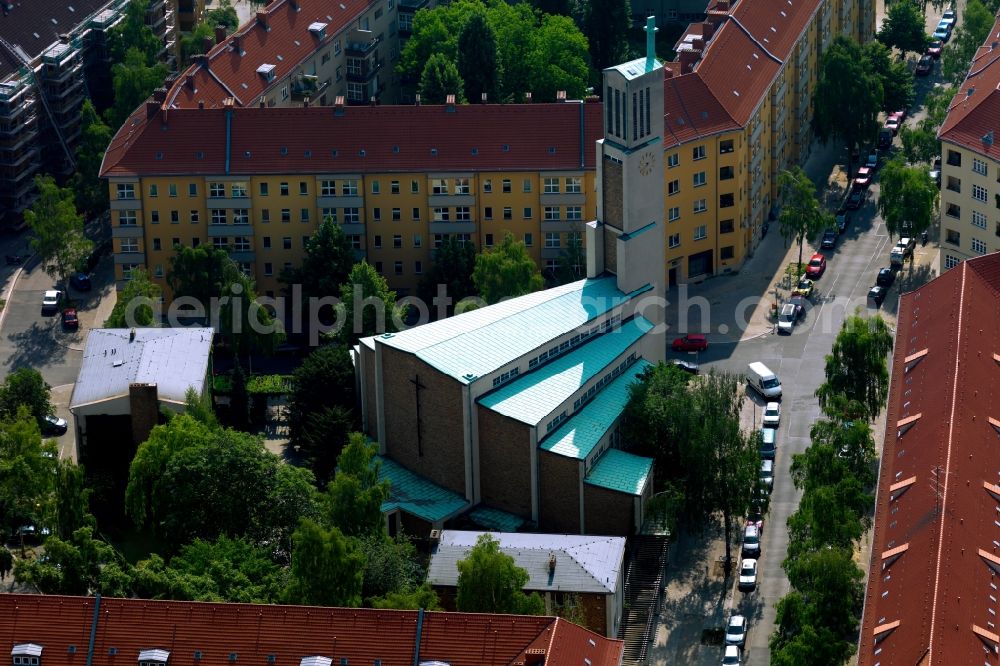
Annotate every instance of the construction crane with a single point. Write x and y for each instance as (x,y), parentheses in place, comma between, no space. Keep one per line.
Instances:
(22,58)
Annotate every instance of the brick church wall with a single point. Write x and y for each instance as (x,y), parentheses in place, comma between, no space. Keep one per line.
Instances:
(505,462)
(608,512)
(558,493)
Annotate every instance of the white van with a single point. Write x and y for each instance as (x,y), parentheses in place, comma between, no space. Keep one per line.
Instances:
(762,380)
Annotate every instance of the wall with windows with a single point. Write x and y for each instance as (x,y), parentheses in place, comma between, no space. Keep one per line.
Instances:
(970,212)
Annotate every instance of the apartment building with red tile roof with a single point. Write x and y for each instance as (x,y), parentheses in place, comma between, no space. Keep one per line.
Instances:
(932,592)
(108,632)
(970,166)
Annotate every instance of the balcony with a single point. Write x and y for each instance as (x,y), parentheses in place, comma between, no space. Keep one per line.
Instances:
(561,226)
(563,198)
(243,256)
(126,231)
(445,200)
(453,227)
(223,230)
(18,158)
(353,228)
(345,201)
(411,6)
(130,257)
(360,43)
(364,72)
(126,204)
(229,202)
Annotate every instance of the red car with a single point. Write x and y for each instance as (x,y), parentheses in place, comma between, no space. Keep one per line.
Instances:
(691,342)
(864,178)
(934,49)
(817,266)
(69,318)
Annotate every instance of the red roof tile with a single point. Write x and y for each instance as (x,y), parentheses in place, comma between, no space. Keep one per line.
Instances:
(737,71)
(229,74)
(691,111)
(939,589)
(775,24)
(975,109)
(289,633)
(360,139)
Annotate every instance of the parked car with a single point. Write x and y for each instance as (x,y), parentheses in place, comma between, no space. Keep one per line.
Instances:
(876,296)
(843,221)
(817,266)
(53,425)
(924,65)
(943,31)
(70,319)
(949,16)
(691,342)
(829,239)
(751,541)
(886,277)
(872,160)
(748,574)
(755,516)
(50,301)
(934,49)
(801,303)
(736,630)
(772,415)
(80,282)
(885,139)
(788,317)
(732,656)
(686,366)
(767,474)
(864,178)
(855,199)
(768,443)
(804,288)
(892,124)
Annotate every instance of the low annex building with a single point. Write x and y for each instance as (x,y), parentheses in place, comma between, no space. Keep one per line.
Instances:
(43,630)
(932,584)
(128,375)
(561,567)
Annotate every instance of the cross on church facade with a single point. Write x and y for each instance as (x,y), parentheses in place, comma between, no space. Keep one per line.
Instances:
(417,386)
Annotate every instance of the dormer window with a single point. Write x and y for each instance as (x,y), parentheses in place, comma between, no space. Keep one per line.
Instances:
(153,657)
(267,71)
(26,654)
(315,660)
(318,29)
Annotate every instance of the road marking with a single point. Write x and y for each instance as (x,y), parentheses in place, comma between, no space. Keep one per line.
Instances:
(10,295)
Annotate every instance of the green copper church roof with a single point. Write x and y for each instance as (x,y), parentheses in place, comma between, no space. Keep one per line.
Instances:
(621,471)
(413,494)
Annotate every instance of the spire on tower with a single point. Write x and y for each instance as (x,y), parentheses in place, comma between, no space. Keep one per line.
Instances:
(650,42)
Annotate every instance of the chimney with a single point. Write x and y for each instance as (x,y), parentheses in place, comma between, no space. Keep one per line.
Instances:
(707,30)
(64,38)
(200,59)
(668,73)
(160,94)
(262,19)
(688,59)
(450,100)
(698,44)
(144,408)
(207,43)
(201,104)
(416,99)
(220,34)
(721,6)
(371,101)
(527,97)
(338,101)
(482,98)
(262,103)
(560,95)
(295,4)
(151,108)
(189,80)
(552,563)
(237,40)
(305,102)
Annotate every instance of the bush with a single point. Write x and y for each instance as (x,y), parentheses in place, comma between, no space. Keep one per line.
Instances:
(256,384)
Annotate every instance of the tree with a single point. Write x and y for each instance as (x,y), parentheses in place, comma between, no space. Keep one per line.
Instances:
(454,262)
(658,414)
(856,366)
(133,33)
(72,500)
(559,59)
(903,28)
(506,271)
(239,399)
(26,472)
(561,7)
(920,144)
(439,79)
(355,496)
(134,304)
(57,230)
(477,58)
(391,566)
(606,24)
(489,581)
(224,15)
(853,445)
(324,380)
(829,516)
(422,597)
(194,42)
(25,387)
(246,323)
(834,587)
(847,98)
(906,199)
(134,79)
(74,566)
(327,568)
(95,135)
(572,260)
(970,33)
(894,74)
(326,266)
(368,305)
(201,273)
(802,216)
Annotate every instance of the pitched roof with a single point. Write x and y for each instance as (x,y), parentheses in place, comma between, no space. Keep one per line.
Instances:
(474,344)
(621,471)
(578,435)
(285,43)
(363,139)
(974,111)
(584,563)
(532,397)
(413,494)
(246,633)
(691,111)
(775,25)
(936,542)
(35,26)
(174,359)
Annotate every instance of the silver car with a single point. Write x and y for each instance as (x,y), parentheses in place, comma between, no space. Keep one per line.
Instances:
(736,630)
